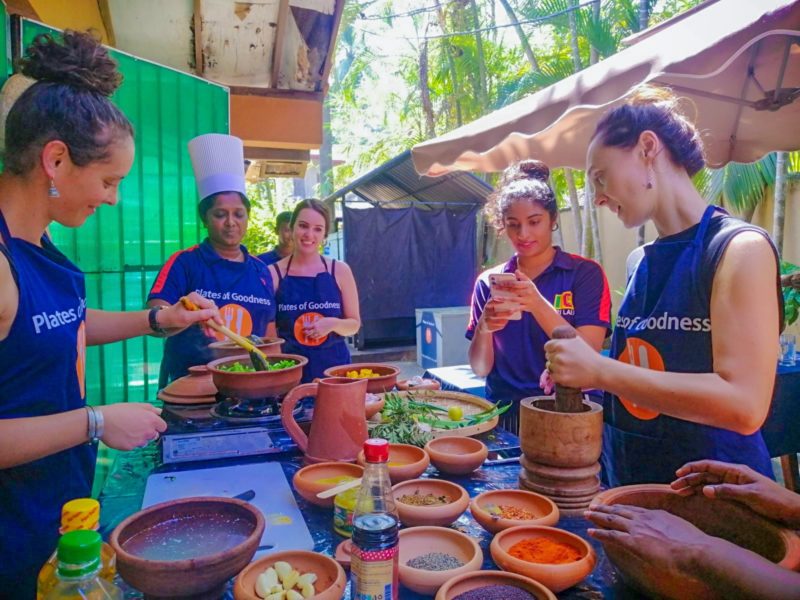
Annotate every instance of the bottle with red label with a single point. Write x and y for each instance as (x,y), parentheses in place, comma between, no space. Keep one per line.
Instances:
(374,560)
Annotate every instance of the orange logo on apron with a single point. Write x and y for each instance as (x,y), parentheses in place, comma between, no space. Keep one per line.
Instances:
(300,325)
(642,354)
(80,363)
(237,319)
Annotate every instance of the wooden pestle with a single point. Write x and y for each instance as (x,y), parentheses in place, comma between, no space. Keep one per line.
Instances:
(568,400)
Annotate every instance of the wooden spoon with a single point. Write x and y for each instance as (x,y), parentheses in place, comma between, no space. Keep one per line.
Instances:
(257,357)
(342,487)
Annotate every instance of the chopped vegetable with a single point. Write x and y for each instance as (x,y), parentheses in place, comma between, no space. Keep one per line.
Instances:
(362,374)
(238,367)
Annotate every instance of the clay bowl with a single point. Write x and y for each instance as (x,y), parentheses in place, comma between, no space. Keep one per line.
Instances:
(373,405)
(718,518)
(555,577)
(187,548)
(457,455)
(545,509)
(405,462)
(226,348)
(256,384)
(478,579)
(307,481)
(330,582)
(385,382)
(442,514)
(416,541)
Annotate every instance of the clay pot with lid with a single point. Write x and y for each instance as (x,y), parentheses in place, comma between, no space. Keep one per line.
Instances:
(728,520)
(195,388)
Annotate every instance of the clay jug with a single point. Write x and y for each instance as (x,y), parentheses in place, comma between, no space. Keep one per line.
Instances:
(338,428)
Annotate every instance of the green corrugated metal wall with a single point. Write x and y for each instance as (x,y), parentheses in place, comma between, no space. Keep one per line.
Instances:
(121,248)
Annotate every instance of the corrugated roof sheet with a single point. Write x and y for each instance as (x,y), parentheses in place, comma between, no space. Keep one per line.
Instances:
(396,181)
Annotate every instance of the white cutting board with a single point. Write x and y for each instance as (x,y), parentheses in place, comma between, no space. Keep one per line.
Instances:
(285,527)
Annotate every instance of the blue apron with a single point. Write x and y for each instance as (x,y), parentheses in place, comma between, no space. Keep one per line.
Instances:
(41,373)
(664,323)
(242,290)
(301,299)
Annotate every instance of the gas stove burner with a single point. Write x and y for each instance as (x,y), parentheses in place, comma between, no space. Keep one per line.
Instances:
(264,410)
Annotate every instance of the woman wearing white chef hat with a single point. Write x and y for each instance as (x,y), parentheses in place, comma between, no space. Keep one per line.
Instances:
(220,267)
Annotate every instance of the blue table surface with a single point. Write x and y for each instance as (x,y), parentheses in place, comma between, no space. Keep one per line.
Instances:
(123,491)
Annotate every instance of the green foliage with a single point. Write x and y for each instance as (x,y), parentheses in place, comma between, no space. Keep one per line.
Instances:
(741,185)
(264,207)
(791,296)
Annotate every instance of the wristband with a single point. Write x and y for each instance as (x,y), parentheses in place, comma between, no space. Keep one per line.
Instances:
(92,427)
(153,320)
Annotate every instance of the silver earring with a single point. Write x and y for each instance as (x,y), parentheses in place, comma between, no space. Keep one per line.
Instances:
(53,191)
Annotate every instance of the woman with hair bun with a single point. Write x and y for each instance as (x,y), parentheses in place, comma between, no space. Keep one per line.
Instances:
(693,352)
(550,288)
(67,147)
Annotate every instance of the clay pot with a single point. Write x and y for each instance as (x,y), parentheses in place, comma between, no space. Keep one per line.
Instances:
(439,515)
(555,577)
(255,385)
(385,382)
(560,439)
(405,462)
(719,518)
(416,541)
(306,481)
(457,455)
(545,509)
(226,348)
(195,388)
(219,536)
(338,429)
(330,583)
(478,579)
(373,404)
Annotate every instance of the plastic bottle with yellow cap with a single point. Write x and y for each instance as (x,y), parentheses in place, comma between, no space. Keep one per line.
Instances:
(77,515)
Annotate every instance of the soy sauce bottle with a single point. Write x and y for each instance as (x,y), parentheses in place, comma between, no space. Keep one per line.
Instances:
(374,560)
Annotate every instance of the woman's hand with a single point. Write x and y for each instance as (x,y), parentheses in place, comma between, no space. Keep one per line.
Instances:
(320,328)
(654,537)
(131,424)
(495,316)
(546,383)
(177,317)
(741,484)
(573,363)
(526,293)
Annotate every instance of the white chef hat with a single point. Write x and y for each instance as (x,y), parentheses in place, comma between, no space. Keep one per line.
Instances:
(218,163)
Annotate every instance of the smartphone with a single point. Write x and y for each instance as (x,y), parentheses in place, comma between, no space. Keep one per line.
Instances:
(503,455)
(498,287)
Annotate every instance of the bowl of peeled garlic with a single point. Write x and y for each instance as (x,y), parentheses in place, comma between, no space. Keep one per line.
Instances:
(291,575)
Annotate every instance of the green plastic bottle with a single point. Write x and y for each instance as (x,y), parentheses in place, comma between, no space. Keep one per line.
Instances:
(79,566)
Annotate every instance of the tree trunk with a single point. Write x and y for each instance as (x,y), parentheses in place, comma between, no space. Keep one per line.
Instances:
(574,208)
(451,65)
(779,211)
(644,14)
(597,246)
(594,55)
(483,89)
(573,38)
(587,244)
(326,153)
(424,91)
(523,39)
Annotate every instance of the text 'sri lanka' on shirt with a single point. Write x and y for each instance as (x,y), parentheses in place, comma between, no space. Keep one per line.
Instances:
(243,292)
(575,286)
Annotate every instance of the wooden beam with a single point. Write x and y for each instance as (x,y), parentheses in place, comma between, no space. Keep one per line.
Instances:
(243,90)
(198,38)
(280,33)
(329,59)
(105,16)
(23,8)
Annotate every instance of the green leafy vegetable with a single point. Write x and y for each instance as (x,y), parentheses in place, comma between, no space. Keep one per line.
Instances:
(238,367)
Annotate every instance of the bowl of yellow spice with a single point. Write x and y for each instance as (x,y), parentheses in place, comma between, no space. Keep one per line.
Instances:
(313,479)
(380,378)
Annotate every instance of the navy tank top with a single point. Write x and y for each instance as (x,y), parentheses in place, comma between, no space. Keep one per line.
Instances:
(302,300)
(664,323)
(42,362)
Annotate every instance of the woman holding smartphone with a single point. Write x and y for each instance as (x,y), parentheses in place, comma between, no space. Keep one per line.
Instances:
(538,289)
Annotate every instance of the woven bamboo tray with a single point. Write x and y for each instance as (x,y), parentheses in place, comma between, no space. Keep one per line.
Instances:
(470,404)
